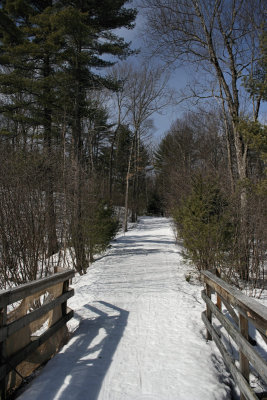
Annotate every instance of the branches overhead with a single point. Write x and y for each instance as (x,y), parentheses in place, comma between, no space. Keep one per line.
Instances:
(219,33)
(143,92)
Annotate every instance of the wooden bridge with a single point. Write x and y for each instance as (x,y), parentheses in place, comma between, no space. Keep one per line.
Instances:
(243,311)
(23,347)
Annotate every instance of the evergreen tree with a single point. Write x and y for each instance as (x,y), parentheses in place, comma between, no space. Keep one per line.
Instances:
(205,225)
(101,228)
(87,28)
(47,75)
(9,27)
(30,84)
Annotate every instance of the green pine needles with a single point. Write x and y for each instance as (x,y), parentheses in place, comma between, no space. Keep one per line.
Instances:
(53,58)
(204,223)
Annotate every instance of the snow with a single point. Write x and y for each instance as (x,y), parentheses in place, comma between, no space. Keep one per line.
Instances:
(138,333)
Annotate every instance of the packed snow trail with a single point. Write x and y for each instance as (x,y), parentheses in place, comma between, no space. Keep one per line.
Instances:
(140,334)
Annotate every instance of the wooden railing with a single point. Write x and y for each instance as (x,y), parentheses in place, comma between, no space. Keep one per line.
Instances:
(243,310)
(35,329)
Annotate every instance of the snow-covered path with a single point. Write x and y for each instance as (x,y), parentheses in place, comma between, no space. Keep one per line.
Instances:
(140,334)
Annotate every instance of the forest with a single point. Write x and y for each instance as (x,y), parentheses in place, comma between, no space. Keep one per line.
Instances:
(78,158)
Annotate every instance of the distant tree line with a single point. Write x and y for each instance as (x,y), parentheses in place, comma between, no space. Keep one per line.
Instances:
(72,144)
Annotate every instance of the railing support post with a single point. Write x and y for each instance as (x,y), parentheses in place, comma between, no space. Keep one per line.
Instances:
(64,290)
(3,382)
(219,301)
(208,311)
(244,363)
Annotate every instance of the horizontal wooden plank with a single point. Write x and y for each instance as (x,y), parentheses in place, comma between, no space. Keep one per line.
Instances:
(252,309)
(13,327)
(229,361)
(249,351)
(17,293)
(23,353)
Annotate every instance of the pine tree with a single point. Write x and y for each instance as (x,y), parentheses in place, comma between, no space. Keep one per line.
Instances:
(9,27)
(204,223)
(47,76)
(87,27)
(30,84)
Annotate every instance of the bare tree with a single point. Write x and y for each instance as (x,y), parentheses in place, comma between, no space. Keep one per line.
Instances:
(143,93)
(24,234)
(221,37)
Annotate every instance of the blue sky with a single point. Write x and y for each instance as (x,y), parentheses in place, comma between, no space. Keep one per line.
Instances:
(179,78)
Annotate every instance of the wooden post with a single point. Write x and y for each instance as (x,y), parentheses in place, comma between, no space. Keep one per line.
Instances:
(3,382)
(244,363)
(208,311)
(64,290)
(219,300)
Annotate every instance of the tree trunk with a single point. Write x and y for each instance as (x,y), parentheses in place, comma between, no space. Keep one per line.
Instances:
(127,187)
(136,180)
(79,239)
(241,156)
(111,164)
(49,191)
(228,144)
(231,93)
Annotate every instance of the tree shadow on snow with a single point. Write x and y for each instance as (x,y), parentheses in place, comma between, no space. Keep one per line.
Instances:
(133,245)
(135,250)
(136,245)
(159,239)
(80,370)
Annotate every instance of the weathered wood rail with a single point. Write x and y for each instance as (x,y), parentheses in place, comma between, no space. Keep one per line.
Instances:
(35,329)
(243,310)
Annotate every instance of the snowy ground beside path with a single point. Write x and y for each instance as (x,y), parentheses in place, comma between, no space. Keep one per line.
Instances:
(139,332)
